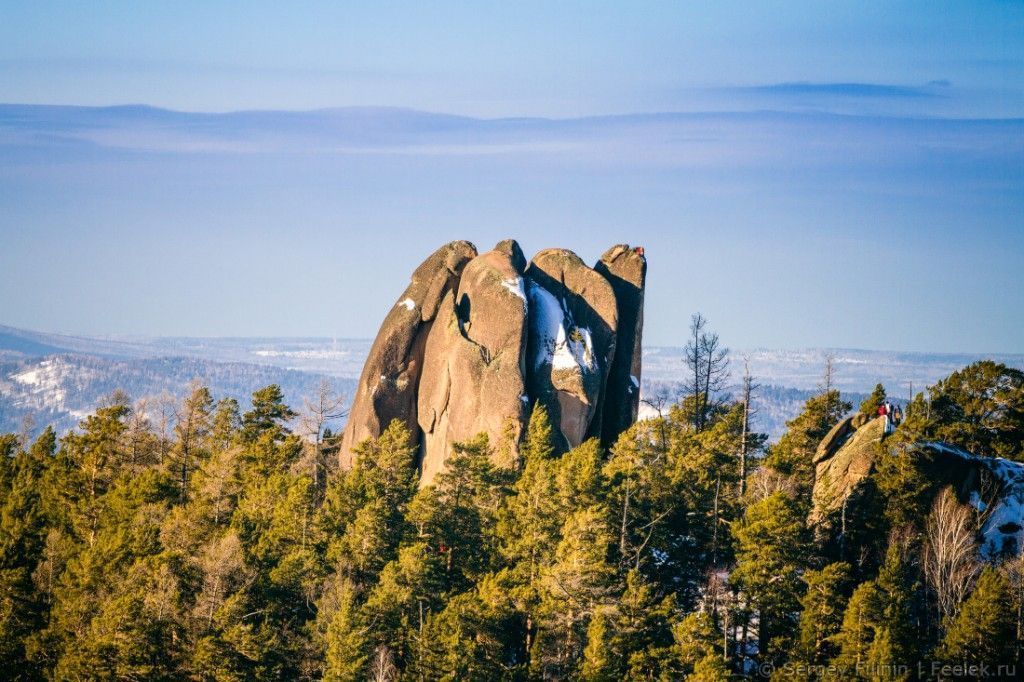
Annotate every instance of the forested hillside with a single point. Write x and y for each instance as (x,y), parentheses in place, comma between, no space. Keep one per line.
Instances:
(235,549)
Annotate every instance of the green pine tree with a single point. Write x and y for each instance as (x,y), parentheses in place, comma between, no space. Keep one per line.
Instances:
(458,514)
(695,641)
(861,621)
(268,414)
(822,611)
(580,579)
(980,408)
(869,405)
(984,631)
(793,454)
(772,548)
(345,638)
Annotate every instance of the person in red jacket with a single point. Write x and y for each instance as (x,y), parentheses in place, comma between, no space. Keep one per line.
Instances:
(885,410)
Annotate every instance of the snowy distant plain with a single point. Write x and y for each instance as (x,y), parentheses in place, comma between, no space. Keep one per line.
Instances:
(59,379)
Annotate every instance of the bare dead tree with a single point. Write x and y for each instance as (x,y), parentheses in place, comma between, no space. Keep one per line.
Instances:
(659,402)
(116,397)
(219,481)
(382,667)
(139,435)
(695,364)
(716,602)
(28,424)
(716,372)
(1014,570)
(707,363)
(748,388)
(827,387)
(223,569)
(950,559)
(828,377)
(317,413)
(164,407)
(766,481)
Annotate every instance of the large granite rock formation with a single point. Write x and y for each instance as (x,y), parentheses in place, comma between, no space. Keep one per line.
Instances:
(476,341)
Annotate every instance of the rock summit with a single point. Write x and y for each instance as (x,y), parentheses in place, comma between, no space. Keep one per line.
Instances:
(476,341)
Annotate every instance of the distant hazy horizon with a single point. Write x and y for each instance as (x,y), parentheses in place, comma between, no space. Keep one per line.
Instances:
(786,229)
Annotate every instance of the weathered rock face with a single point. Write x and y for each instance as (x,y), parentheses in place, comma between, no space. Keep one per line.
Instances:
(626,270)
(476,341)
(572,341)
(390,379)
(844,459)
(472,378)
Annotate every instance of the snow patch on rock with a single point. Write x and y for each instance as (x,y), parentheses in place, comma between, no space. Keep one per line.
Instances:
(559,343)
(516,287)
(1006,515)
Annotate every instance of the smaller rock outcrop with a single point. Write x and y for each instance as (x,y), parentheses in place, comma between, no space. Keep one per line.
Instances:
(844,459)
(992,485)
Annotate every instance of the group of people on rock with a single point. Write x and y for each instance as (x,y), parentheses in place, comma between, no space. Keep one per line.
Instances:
(893,416)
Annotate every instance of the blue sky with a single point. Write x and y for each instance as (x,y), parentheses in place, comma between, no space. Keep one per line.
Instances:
(499,58)
(829,152)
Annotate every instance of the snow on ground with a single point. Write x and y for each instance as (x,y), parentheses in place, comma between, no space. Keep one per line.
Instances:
(28,377)
(1008,511)
(1004,516)
(304,354)
(44,385)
